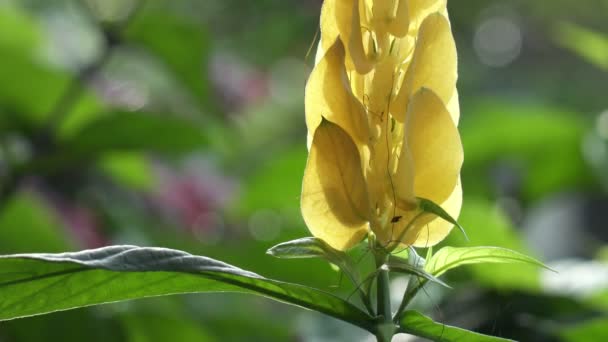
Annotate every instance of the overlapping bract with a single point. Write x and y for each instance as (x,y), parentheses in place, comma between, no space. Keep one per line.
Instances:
(381,111)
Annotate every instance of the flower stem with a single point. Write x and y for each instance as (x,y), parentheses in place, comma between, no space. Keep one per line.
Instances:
(386,328)
(413,286)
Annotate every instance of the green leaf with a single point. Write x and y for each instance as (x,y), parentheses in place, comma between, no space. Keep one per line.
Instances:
(21,43)
(417,324)
(121,132)
(551,161)
(150,327)
(275,183)
(312,247)
(308,247)
(490,226)
(396,264)
(29,76)
(429,206)
(591,330)
(127,131)
(448,258)
(28,224)
(19,31)
(33,284)
(130,169)
(182,45)
(588,44)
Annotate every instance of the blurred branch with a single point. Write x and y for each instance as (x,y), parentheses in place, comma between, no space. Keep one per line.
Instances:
(44,141)
(75,89)
(6,173)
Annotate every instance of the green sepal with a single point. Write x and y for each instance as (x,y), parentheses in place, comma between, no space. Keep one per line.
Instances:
(428,206)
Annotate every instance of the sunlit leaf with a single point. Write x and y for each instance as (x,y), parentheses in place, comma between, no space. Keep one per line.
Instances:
(415,323)
(33,284)
(448,258)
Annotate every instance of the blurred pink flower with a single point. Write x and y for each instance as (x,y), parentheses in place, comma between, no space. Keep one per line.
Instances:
(193,197)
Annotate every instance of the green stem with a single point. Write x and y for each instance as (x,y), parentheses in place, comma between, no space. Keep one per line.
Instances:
(413,286)
(385,329)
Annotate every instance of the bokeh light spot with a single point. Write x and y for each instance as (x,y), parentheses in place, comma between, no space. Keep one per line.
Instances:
(498,41)
(265,225)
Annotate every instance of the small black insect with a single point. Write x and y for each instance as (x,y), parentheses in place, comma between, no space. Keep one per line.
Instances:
(395,219)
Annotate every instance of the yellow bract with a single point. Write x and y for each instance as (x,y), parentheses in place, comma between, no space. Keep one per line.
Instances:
(381,111)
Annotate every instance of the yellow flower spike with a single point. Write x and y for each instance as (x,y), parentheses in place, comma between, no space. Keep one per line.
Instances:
(434,143)
(401,25)
(342,18)
(329,95)
(330,25)
(381,111)
(360,57)
(454,106)
(434,64)
(429,167)
(334,199)
(420,9)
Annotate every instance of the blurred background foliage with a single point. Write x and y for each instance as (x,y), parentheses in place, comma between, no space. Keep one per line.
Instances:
(180,124)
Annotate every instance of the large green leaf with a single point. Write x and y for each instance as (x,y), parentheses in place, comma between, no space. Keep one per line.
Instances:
(418,324)
(32,284)
(448,258)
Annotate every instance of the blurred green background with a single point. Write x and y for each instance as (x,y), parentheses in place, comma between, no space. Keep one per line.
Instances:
(181,124)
